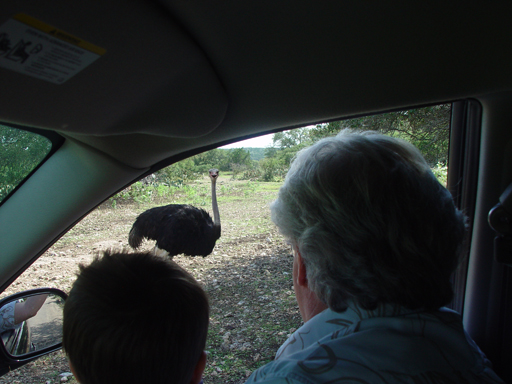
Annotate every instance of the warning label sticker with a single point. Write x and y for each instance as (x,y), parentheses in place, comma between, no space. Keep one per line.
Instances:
(36,49)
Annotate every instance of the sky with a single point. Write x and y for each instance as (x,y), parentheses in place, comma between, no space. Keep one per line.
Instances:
(257,142)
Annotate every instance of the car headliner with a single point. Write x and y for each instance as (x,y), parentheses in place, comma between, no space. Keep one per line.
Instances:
(183,75)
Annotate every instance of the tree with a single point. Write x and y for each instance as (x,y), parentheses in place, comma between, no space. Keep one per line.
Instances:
(325,130)
(240,157)
(177,173)
(270,152)
(269,168)
(427,128)
(216,158)
(291,138)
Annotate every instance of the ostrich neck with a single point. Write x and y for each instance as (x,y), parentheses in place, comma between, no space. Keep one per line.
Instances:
(216,216)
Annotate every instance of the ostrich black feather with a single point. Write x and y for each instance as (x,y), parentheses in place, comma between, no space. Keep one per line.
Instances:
(179,228)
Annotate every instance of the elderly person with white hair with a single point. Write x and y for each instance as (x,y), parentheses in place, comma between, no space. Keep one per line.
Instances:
(375,238)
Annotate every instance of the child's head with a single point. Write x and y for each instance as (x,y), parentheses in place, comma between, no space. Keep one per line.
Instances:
(135,317)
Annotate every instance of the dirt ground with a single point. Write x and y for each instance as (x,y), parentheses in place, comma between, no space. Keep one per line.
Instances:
(247,277)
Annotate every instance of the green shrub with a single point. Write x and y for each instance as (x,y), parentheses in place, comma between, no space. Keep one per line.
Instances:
(441,172)
(272,169)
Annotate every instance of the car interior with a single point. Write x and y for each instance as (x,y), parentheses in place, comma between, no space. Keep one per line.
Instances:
(122,89)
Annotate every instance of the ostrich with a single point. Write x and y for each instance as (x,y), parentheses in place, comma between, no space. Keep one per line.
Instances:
(179,229)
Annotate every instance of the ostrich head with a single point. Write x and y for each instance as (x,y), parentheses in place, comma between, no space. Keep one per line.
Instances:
(213,173)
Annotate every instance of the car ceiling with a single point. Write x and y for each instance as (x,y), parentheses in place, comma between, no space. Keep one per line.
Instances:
(183,76)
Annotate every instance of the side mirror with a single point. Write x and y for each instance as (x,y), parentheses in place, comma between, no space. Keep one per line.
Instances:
(30,325)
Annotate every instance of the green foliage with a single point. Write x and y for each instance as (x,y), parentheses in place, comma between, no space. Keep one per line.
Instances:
(222,159)
(253,173)
(239,157)
(249,188)
(20,153)
(176,185)
(216,158)
(240,163)
(178,173)
(273,169)
(142,193)
(426,128)
(271,151)
(137,192)
(440,171)
(291,138)
(286,156)
(256,154)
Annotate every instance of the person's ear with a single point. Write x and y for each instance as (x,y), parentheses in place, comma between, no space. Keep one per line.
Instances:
(302,278)
(197,376)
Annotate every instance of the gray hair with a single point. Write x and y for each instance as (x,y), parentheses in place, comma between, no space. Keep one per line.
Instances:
(371,222)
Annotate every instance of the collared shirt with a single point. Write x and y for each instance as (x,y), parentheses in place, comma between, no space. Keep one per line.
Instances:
(387,345)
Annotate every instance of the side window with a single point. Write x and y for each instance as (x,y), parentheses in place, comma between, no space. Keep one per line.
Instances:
(20,153)
(427,128)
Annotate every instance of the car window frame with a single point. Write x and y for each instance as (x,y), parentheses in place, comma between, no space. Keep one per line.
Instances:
(463,169)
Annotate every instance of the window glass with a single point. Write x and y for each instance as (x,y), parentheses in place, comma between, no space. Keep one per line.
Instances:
(20,152)
(428,129)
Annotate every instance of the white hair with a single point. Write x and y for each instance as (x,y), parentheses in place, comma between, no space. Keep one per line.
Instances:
(371,221)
